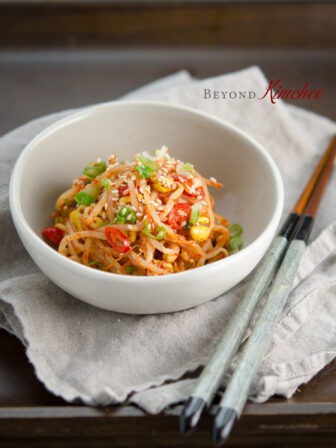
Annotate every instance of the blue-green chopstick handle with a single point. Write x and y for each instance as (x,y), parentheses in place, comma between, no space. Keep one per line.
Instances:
(238,389)
(234,331)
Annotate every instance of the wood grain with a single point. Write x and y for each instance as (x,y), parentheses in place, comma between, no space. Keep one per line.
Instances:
(250,24)
(37,82)
(32,417)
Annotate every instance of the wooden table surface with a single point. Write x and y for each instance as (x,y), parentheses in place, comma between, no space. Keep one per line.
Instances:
(30,416)
(38,82)
(48,63)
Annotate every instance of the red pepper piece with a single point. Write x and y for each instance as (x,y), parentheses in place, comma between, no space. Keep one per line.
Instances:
(117,239)
(53,235)
(179,215)
(122,189)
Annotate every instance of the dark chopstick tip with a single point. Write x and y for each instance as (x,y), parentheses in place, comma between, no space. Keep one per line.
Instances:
(223,424)
(191,414)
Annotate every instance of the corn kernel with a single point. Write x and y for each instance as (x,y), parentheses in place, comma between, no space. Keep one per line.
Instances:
(97,222)
(125,199)
(165,185)
(199,233)
(75,220)
(168,266)
(203,220)
(132,236)
(170,258)
(184,255)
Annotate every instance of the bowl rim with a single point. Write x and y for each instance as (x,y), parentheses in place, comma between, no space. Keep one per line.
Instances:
(20,220)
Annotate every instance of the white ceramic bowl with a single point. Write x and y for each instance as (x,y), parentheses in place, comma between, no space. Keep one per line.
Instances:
(252,196)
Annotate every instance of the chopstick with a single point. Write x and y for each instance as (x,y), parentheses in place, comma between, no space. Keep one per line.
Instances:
(212,374)
(236,394)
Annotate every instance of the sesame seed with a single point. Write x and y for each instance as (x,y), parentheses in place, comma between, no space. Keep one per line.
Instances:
(199,197)
(114,191)
(115,199)
(124,210)
(213,179)
(104,215)
(138,214)
(105,206)
(98,160)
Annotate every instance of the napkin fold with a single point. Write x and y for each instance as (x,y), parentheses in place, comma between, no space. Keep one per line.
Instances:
(99,357)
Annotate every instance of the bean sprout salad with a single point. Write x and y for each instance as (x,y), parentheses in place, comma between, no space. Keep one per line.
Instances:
(151,216)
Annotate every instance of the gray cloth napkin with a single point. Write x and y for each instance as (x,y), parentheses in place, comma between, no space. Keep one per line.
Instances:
(101,357)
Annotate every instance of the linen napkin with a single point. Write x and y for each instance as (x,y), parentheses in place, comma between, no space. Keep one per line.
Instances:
(99,357)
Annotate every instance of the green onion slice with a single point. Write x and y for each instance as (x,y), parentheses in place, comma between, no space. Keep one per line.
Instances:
(235,230)
(195,213)
(146,167)
(94,169)
(148,163)
(130,269)
(93,190)
(95,263)
(188,167)
(84,198)
(143,171)
(161,232)
(125,215)
(106,183)
(235,244)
